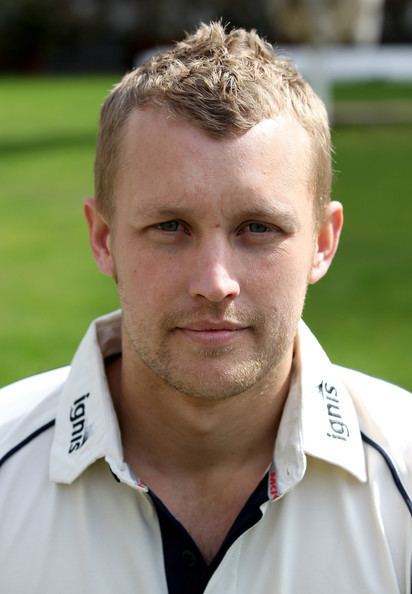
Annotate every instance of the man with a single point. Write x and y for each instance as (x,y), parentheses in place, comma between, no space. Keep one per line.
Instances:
(202,441)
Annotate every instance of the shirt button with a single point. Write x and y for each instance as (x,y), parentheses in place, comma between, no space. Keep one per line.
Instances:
(189,558)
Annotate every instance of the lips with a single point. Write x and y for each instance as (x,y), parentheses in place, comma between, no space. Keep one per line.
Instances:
(208,325)
(210,333)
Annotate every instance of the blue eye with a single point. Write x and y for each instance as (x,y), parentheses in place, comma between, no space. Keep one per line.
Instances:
(258,228)
(170,226)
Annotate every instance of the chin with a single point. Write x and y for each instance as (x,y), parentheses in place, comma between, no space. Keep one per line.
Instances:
(217,382)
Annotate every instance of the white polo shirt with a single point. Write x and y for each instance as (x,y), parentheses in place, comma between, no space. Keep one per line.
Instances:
(336,521)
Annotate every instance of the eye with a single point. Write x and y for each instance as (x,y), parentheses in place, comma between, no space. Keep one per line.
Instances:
(169,226)
(171,230)
(258,228)
(258,233)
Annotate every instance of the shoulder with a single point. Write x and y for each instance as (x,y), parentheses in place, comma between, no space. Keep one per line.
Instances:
(376,394)
(384,412)
(28,407)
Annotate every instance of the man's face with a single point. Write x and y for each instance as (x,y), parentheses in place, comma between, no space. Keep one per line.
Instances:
(212,245)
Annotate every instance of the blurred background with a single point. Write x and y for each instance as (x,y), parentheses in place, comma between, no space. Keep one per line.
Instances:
(58,60)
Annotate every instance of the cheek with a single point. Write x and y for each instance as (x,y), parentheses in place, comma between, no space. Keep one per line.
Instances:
(147,282)
(282,279)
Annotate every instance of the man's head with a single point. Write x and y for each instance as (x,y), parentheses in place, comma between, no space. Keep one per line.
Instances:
(209,226)
(224,83)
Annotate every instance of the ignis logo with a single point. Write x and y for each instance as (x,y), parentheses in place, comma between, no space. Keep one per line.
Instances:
(339,430)
(78,420)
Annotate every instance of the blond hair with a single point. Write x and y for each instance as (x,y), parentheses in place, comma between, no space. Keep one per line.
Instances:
(224,82)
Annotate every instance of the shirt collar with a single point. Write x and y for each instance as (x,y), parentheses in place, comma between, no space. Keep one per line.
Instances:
(318,419)
(86,424)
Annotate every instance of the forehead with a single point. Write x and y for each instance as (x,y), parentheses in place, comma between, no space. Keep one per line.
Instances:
(147,128)
(167,157)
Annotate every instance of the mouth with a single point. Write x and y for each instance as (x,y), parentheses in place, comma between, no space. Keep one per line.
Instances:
(211,333)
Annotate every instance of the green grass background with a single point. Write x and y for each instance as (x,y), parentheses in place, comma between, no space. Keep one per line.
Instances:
(51,289)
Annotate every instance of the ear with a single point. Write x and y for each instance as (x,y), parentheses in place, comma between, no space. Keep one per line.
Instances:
(99,237)
(327,241)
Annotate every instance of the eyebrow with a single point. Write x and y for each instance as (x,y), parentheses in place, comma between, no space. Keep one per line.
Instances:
(286,215)
(150,212)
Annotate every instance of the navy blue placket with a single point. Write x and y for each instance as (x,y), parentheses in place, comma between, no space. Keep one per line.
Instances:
(186,570)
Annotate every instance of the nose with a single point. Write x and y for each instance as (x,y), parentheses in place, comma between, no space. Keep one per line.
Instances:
(213,277)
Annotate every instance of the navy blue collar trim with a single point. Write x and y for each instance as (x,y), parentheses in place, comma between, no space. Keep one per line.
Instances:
(26,440)
(393,470)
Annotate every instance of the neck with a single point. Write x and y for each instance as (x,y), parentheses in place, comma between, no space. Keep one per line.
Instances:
(179,435)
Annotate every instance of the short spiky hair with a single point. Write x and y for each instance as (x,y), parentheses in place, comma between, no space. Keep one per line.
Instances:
(223,82)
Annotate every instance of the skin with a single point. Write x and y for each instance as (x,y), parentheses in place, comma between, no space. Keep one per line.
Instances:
(212,245)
